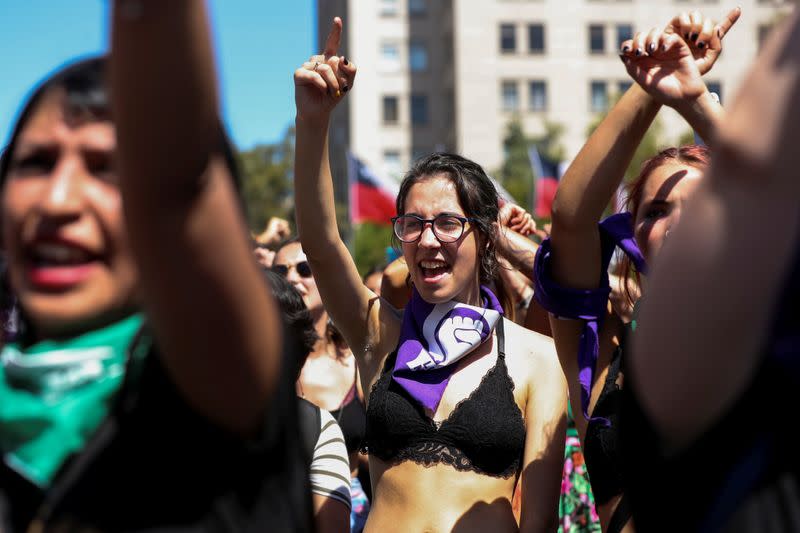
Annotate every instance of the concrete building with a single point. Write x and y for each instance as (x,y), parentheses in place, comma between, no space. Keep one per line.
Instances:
(451,74)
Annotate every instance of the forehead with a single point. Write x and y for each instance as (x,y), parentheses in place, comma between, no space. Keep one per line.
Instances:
(432,196)
(291,253)
(52,121)
(671,180)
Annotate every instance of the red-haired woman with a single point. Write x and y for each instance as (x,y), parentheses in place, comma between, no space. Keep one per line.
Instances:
(721,327)
(571,267)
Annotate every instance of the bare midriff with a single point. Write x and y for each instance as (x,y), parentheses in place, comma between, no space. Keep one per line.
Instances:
(412,497)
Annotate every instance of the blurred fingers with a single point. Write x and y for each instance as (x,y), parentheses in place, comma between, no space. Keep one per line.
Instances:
(706,33)
(696,27)
(639,44)
(722,29)
(652,41)
(626,47)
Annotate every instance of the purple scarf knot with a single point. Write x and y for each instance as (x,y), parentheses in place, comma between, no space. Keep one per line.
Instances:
(434,336)
(588,305)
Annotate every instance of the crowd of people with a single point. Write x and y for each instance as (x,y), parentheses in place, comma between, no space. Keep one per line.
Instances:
(163,369)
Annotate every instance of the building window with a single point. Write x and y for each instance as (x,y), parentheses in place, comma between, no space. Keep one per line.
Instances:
(537,95)
(418,56)
(510,96)
(390,113)
(597,39)
(536,38)
(624,32)
(599,96)
(508,38)
(417,7)
(419,109)
(388,8)
(715,87)
(391,162)
(623,86)
(389,56)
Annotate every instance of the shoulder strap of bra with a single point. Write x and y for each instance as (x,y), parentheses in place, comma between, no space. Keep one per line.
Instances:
(501,344)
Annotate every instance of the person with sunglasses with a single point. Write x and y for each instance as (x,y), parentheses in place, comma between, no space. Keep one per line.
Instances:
(464,404)
(329,377)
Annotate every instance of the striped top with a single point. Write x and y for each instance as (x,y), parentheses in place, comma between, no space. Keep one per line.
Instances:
(330,466)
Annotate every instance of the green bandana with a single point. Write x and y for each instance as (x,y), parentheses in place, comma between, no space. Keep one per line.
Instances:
(54,394)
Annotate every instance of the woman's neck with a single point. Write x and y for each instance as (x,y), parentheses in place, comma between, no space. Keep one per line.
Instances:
(471,296)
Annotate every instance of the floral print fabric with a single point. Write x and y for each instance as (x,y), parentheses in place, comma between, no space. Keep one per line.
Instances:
(576,510)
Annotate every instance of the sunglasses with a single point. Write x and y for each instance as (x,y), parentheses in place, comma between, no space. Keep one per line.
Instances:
(303,269)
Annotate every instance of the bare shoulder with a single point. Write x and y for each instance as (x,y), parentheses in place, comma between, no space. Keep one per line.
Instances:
(529,354)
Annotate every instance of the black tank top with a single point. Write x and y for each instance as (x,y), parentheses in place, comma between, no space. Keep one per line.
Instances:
(352,418)
(601,445)
(485,432)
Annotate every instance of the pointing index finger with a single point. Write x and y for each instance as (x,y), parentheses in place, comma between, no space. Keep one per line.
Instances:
(730,19)
(334,38)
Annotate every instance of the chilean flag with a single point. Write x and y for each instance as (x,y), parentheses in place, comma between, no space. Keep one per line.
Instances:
(546,174)
(372,197)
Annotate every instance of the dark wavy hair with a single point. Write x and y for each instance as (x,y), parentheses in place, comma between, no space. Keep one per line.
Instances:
(476,194)
(296,318)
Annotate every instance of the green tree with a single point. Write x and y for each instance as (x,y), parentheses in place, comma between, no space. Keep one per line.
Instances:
(652,142)
(267,186)
(371,241)
(516,174)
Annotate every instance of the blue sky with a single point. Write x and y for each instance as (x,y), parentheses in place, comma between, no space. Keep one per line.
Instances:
(259,43)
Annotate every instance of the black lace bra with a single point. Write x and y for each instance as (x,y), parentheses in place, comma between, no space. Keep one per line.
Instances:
(485,432)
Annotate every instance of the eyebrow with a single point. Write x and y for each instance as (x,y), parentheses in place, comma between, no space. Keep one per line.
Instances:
(446,213)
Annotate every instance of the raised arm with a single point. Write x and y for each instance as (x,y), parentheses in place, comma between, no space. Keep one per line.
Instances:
(320,84)
(667,71)
(669,64)
(217,328)
(719,277)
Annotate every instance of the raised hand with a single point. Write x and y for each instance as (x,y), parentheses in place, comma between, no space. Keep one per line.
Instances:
(514,217)
(324,79)
(702,35)
(277,230)
(663,65)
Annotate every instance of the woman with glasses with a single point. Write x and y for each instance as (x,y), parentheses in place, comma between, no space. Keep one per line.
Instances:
(463,403)
(329,377)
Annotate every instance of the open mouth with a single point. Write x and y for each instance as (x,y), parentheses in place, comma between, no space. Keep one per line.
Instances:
(434,270)
(56,265)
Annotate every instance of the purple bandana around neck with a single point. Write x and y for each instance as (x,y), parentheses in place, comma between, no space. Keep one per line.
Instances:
(433,337)
(587,305)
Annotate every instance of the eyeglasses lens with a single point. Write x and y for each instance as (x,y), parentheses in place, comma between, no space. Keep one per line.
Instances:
(407,229)
(447,229)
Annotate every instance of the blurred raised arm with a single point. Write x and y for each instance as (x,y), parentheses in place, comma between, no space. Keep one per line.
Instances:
(217,328)
(719,277)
